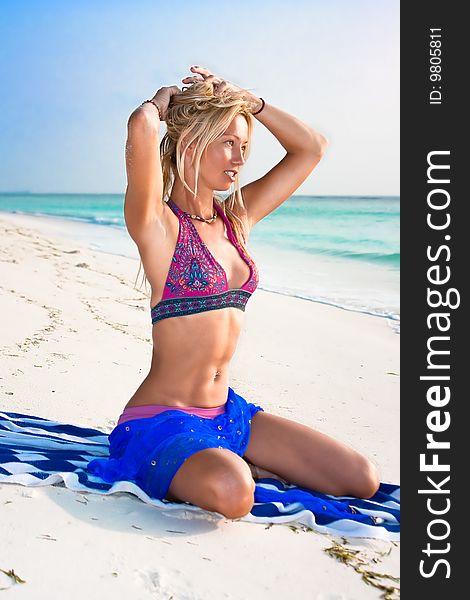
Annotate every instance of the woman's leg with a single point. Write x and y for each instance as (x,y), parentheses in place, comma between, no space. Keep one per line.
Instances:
(214,479)
(308,458)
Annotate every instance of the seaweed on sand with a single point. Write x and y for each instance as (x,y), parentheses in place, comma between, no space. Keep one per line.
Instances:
(353,558)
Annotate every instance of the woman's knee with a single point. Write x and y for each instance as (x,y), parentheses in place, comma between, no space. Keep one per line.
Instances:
(215,480)
(365,478)
(233,494)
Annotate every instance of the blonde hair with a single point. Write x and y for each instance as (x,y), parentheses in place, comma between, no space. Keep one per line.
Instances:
(196,116)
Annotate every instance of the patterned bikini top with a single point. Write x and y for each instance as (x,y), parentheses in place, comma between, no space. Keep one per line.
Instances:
(196,282)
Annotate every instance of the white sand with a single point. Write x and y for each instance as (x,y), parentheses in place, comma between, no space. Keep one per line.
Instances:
(75,344)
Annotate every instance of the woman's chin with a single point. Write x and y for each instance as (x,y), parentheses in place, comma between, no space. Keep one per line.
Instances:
(224,188)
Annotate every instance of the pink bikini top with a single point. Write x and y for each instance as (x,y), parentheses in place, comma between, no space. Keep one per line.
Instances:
(196,282)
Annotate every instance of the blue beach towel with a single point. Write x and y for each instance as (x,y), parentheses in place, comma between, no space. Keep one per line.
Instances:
(35,451)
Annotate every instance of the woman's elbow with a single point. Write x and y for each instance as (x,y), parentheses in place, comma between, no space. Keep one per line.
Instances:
(320,143)
(316,145)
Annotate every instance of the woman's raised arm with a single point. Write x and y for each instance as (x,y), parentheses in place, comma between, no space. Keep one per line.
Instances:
(143,206)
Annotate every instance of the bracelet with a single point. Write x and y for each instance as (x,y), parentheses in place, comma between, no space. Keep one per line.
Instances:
(156,106)
(262,106)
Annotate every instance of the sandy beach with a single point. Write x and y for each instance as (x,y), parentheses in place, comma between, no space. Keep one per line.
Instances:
(76,343)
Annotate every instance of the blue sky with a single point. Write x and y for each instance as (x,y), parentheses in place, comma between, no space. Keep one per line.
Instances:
(72,72)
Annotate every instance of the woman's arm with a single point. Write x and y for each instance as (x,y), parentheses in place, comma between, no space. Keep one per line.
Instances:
(293,135)
(143,204)
(304,149)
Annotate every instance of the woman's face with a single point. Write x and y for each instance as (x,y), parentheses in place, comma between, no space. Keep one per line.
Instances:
(224,157)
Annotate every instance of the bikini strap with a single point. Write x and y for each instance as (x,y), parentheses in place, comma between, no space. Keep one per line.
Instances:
(231,234)
(225,219)
(173,207)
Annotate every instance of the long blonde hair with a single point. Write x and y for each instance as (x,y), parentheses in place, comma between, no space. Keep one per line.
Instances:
(197,116)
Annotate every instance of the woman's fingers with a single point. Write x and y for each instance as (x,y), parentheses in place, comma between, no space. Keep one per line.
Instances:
(197,69)
(220,87)
(218,83)
(206,74)
(212,79)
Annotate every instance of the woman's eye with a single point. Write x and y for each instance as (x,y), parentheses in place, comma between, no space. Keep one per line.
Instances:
(231,142)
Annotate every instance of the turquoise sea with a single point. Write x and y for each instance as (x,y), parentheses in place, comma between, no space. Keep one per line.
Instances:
(343,251)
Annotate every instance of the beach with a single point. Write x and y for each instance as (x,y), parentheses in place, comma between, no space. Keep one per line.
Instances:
(76,343)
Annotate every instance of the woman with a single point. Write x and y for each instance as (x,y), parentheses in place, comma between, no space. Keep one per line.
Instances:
(185,435)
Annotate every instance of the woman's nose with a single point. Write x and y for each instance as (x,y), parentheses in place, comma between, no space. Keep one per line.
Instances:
(238,158)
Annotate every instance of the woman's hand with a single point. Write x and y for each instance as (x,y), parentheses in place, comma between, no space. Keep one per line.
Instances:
(163,98)
(220,85)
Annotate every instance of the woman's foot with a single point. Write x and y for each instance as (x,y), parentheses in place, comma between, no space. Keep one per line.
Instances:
(259,473)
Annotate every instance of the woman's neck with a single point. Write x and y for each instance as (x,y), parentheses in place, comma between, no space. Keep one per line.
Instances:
(201,205)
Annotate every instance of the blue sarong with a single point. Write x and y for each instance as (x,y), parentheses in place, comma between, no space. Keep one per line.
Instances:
(150,450)
(35,451)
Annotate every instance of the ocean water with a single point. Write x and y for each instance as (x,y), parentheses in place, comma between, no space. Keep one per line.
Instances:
(342,251)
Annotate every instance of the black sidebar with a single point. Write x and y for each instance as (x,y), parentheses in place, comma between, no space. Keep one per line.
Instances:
(435,434)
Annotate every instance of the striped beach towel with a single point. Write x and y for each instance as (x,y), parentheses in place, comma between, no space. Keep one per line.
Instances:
(35,451)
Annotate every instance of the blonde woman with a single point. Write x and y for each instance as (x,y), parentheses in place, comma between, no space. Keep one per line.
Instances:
(186,435)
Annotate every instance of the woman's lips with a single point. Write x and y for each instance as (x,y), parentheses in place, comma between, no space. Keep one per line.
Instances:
(231,175)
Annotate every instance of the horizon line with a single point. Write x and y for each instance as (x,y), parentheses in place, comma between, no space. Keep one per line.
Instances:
(123,194)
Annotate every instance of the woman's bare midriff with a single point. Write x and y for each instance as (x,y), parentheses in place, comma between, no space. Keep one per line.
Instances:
(191,354)
(190,360)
